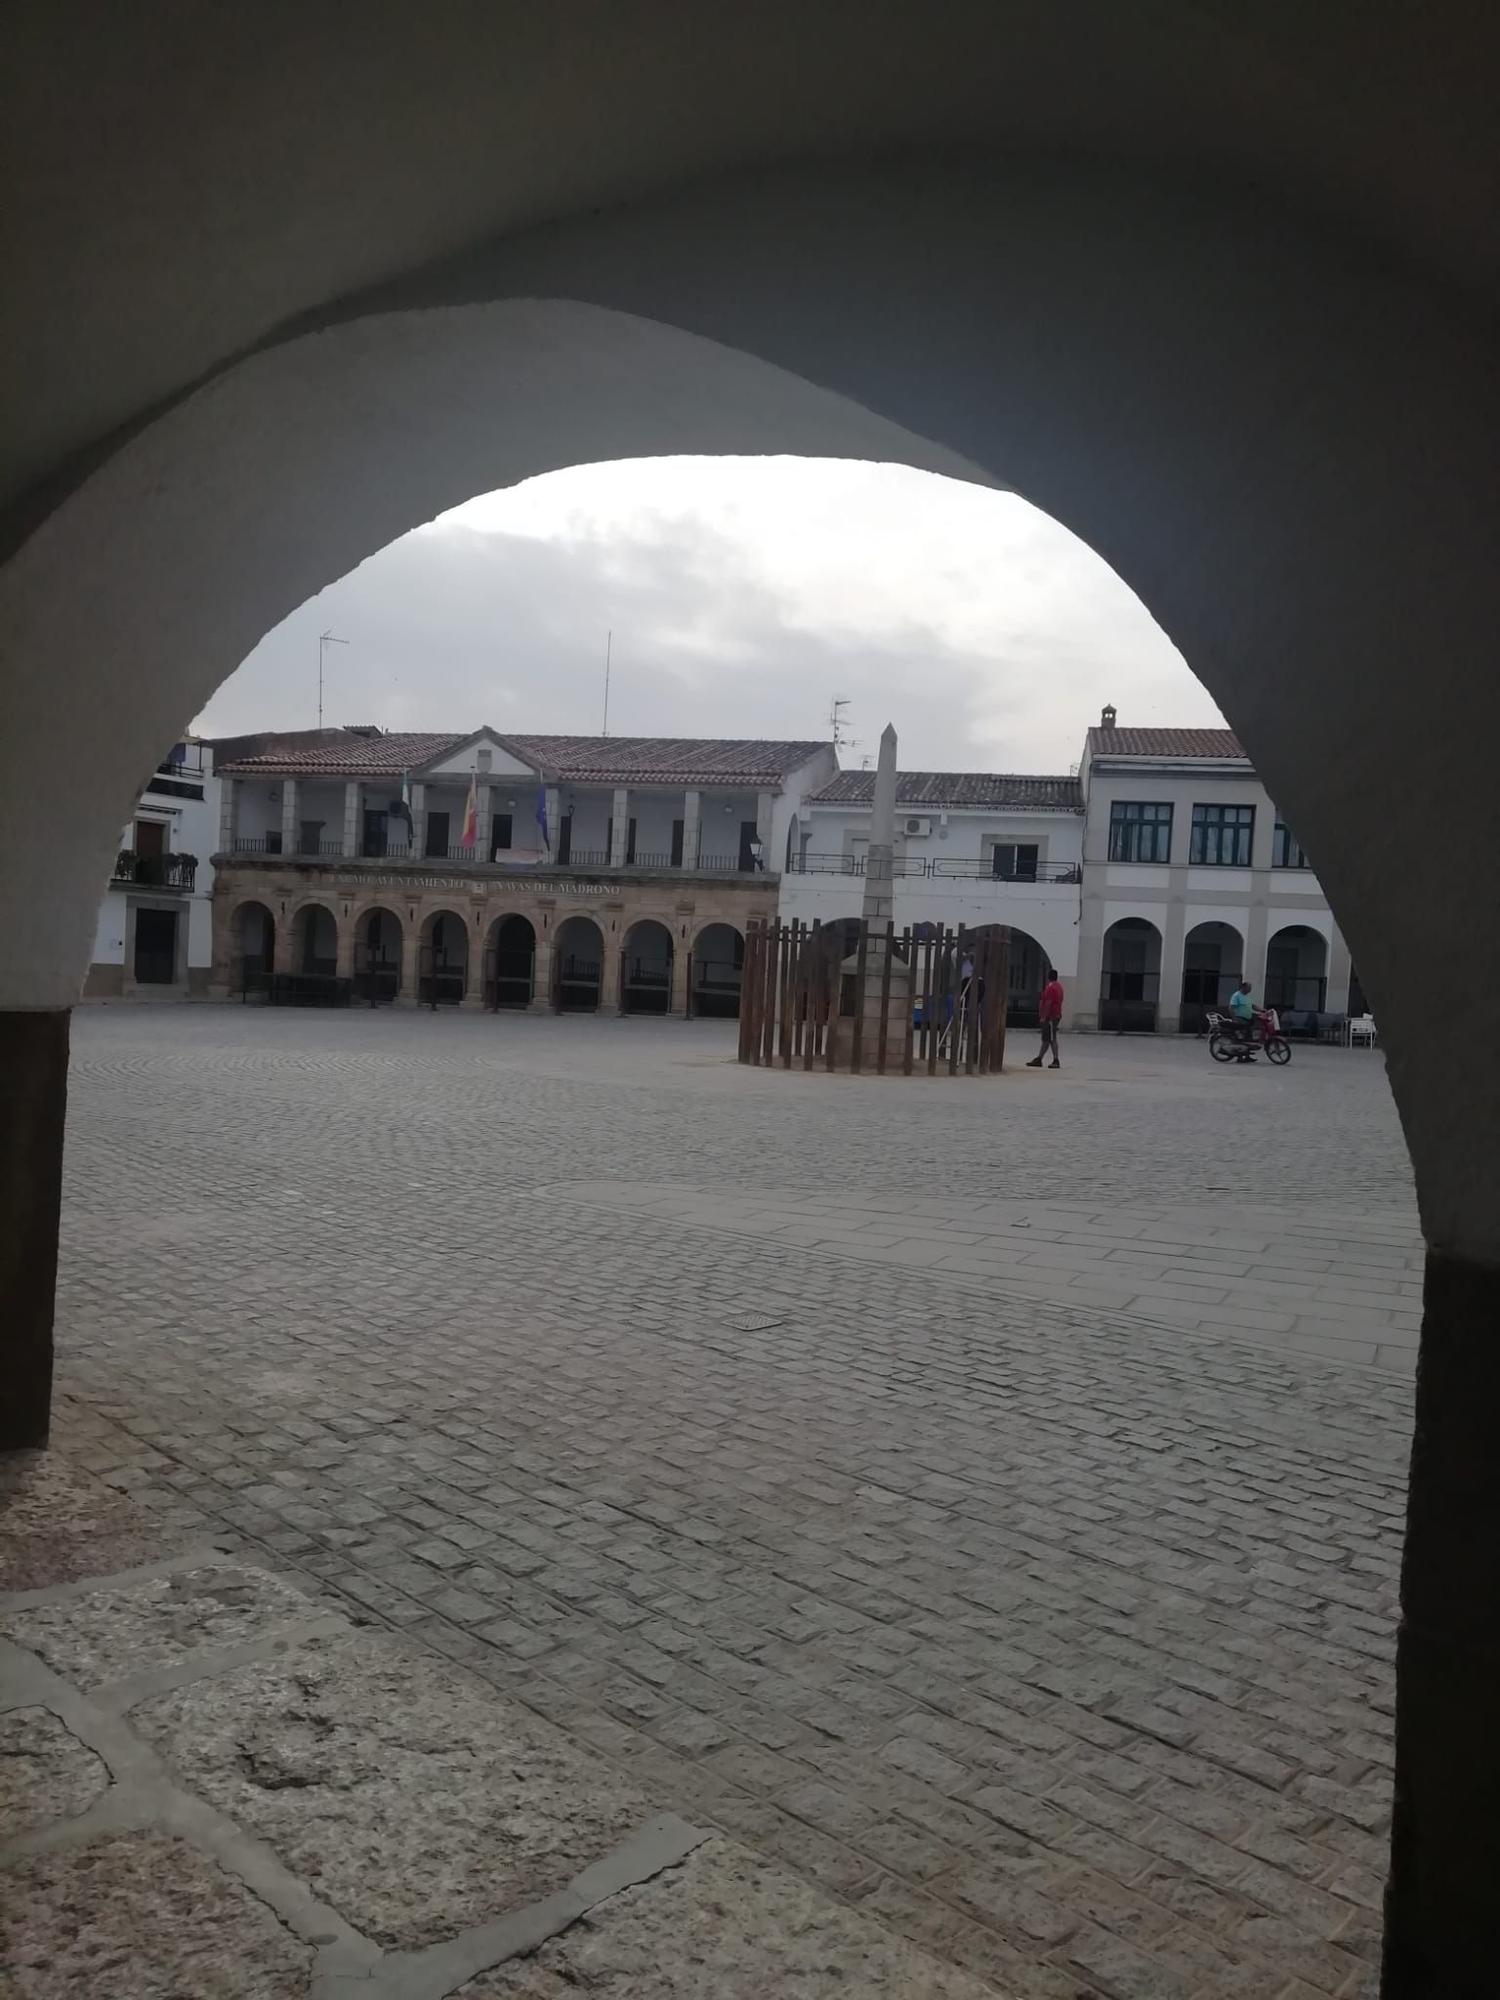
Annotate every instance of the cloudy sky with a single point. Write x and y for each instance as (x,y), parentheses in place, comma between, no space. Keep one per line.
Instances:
(743,595)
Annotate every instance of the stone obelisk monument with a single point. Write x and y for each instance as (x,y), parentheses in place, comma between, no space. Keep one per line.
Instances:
(880,903)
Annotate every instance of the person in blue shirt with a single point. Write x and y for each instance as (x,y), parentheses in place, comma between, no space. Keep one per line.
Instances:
(1243,1009)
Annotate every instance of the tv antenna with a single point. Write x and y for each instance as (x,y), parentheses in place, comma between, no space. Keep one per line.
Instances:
(325,640)
(836,724)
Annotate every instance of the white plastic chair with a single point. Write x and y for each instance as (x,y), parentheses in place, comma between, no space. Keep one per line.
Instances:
(1361,1028)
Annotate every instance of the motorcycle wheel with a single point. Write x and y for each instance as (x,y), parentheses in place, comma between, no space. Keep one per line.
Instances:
(1278,1049)
(1221,1050)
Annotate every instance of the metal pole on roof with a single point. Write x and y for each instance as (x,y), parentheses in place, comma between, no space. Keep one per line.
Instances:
(325,640)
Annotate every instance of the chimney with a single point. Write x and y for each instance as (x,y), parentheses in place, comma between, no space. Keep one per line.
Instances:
(1107,718)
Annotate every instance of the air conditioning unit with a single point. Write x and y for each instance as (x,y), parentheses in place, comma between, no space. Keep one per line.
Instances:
(917,829)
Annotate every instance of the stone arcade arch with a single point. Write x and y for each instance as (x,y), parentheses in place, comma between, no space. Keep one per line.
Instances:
(378,941)
(510,962)
(647,955)
(252,948)
(577,966)
(443,959)
(717,968)
(315,942)
(1130,977)
(1213,964)
(1273,415)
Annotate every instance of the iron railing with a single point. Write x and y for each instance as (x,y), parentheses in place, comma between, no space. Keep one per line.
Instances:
(156,871)
(911,866)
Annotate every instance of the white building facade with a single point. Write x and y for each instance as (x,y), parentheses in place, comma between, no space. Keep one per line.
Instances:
(972,849)
(154,934)
(1192,881)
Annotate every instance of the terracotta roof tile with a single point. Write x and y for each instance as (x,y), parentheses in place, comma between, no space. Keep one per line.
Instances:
(664,760)
(1164,743)
(600,760)
(349,756)
(984,791)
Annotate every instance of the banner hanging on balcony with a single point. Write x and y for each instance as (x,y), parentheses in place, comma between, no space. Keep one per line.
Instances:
(470,834)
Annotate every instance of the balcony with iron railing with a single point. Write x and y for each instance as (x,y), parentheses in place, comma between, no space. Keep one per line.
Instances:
(579,859)
(154,871)
(907,867)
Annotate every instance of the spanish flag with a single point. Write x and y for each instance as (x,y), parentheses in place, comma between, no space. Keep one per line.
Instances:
(470,835)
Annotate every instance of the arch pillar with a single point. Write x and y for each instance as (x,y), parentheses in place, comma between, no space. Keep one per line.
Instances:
(474,936)
(541,975)
(411,960)
(682,968)
(344,946)
(609,972)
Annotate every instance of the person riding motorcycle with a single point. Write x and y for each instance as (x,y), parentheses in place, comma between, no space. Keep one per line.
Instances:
(1245,1013)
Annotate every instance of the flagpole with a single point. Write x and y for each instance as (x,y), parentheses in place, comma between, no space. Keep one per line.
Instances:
(609,640)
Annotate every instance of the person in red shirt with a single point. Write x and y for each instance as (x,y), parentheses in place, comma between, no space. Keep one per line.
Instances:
(1049,1013)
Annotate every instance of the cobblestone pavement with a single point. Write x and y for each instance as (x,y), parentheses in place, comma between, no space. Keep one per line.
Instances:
(1055,1635)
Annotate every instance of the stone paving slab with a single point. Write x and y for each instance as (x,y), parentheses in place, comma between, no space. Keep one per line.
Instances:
(144,1916)
(726,1924)
(131,1628)
(1052,1637)
(45,1772)
(56,1522)
(416,1801)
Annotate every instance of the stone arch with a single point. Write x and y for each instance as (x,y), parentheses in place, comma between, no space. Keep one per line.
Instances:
(443,958)
(648,951)
(252,946)
(379,937)
(718,963)
(1296,982)
(1130,976)
(578,953)
(1345,569)
(510,961)
(1213,964)
(1027,965)
(314,940)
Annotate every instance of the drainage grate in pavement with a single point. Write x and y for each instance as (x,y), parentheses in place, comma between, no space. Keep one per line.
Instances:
(756,1322)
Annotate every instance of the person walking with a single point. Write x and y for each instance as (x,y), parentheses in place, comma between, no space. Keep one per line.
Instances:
(1049,1013)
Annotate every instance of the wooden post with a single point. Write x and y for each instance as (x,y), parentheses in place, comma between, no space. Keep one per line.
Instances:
(835,980)
(885,998)
(789,993)
(1002,981)
(955,995)
(813,954)
(747,989)
(929,1023)
(768,1016)
(861,956)
(911,994)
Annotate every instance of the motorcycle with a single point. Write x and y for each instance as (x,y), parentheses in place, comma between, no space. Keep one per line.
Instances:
(1229,1042)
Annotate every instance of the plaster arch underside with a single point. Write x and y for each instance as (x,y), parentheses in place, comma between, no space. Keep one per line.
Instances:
(1282,444)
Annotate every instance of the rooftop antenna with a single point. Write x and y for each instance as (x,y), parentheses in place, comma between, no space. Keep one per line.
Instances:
(609,641)
(836,708)
(325,640)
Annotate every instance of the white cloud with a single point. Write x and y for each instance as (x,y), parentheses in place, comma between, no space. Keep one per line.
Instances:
(743,594)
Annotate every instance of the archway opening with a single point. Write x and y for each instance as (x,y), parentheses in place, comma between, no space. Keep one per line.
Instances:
(1297,977)
(252,940)
(510,963)
(717,971)
(577,966)
(1130,983)
(444,959)
(377,957)
(315,942)
(646,961)
(1213,964)
(1028,966)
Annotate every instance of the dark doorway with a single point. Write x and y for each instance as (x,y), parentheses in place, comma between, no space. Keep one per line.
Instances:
(155,947)
(747,846)
(436,842)
(150,837)
(565,839)
(677,826)
(501,830)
